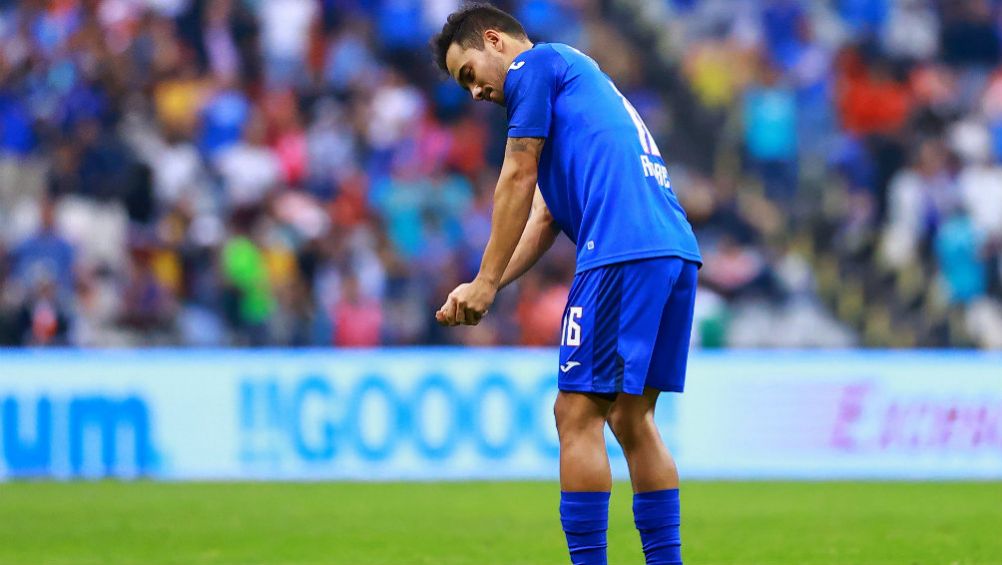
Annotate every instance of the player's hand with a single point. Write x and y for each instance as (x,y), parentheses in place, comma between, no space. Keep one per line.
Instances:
(467,304)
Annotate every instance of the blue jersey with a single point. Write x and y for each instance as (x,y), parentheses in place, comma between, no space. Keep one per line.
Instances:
(600,172)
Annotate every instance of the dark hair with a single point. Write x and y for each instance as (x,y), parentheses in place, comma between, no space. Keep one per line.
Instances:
(466,26)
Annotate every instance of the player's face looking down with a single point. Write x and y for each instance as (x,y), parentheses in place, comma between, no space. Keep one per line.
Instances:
(482,71)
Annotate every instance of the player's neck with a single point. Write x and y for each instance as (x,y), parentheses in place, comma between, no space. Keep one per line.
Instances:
(518,48)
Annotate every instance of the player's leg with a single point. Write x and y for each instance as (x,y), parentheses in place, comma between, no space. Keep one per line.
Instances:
(632,421)
(656,510)
(585,478)
(665,344)
(584,461)
(587,380)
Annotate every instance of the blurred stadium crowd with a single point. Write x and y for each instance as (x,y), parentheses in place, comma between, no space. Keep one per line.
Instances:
(295,172)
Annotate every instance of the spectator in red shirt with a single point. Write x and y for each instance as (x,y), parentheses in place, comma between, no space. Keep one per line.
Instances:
(358,319)
(870,100)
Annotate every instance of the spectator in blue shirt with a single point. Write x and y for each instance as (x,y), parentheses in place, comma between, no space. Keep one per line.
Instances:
(45,255)
(770,130)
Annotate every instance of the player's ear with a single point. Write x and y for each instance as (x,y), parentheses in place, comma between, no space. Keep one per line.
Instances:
(493,38)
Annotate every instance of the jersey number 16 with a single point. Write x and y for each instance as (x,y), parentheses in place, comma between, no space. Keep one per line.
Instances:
(570,333)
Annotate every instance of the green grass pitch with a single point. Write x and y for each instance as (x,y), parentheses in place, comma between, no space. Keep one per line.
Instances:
(724,523)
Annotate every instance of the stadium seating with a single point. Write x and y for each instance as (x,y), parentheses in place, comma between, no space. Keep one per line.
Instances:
(296,172)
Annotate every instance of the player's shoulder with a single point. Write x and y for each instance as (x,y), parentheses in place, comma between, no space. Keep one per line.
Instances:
(571,56)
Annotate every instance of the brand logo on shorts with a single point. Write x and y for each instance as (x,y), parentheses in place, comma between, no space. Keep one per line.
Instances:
(568,366)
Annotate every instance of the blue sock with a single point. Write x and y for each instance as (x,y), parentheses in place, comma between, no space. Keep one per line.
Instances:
(585,518)
(658,517)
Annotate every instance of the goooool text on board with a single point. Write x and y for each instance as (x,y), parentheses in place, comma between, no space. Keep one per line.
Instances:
(317,419)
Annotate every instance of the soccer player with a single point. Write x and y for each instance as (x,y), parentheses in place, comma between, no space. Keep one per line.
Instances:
(602,181)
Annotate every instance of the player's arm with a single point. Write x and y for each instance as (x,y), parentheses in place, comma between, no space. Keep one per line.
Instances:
(513,199)
(512,203)
(537,238)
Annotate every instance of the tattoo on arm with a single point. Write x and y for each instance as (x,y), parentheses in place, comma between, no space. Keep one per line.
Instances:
(524,145)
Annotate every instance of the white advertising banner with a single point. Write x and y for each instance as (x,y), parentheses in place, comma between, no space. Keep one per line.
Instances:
(441,414)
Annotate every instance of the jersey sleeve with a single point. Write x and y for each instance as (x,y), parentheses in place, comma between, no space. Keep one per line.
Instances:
(530,89)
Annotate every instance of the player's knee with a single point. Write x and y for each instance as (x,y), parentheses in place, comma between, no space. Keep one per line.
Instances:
(573,419)
(567,417)
(630,429)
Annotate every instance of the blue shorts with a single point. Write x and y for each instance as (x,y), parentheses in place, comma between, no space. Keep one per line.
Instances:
(627,326)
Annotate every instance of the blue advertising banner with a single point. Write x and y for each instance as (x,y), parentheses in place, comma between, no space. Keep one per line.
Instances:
(449,414)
